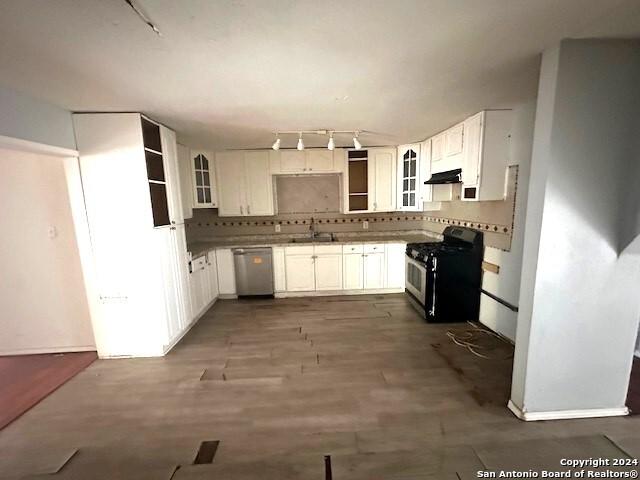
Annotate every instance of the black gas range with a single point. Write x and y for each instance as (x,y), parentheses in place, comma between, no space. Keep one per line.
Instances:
(443,279)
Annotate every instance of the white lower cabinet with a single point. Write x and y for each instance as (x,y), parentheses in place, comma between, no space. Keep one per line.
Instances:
(279,270)
(353,271)
(374,266)
(226,271)
(395,265)
(328,267)
(203,283)
(212,273)
(300,271)
(199,285)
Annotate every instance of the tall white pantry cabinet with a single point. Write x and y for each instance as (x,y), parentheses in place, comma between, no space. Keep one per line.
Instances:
(129,170)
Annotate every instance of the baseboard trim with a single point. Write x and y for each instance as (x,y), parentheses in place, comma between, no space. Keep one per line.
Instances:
(43,350)
(332,293)
(566,414)
(227,296)
(168,348)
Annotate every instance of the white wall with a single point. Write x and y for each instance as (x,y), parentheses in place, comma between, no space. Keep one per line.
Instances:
(506,284)
(30,119)
(579,303)
(43,304)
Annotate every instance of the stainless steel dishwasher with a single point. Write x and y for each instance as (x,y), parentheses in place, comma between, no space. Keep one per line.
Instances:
(254,271)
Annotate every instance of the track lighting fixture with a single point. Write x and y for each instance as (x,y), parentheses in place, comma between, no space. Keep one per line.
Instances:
(356,143)
(331,145)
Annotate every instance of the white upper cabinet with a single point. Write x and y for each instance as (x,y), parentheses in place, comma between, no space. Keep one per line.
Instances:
(370,180)
(409,162)
(170,158)
(486,155)
(186,180)
(303,161)
(447,149)
(258,185)
(203,179)
(382,179)
(230,170)
(245,184)
(453,140)
(437,150)
(291,161)
(425,173)
(320,161)
(471,162)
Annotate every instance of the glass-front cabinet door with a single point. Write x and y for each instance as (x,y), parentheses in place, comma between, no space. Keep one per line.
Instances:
(204,185)
(409,177)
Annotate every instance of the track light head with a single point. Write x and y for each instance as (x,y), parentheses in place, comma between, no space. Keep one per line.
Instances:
(276,144)
(331,145)
(356,143)
(300,143)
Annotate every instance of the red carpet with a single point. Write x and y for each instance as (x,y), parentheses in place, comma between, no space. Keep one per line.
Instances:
(27,379)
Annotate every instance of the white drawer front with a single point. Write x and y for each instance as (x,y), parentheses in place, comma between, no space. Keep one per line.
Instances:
(374,248)
(320,249)
(349,248)
(301,250)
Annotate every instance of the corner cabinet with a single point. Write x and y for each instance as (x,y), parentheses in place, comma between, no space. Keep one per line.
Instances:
(409,177)
(139,265)
(203,180)
(486,155)
(245,184)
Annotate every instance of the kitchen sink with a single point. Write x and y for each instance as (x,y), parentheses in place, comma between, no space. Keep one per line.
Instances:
(317,239)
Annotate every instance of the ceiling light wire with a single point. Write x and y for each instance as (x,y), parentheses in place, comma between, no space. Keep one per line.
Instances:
(144,18)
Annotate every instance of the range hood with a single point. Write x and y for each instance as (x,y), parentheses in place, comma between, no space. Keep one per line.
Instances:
(450,176)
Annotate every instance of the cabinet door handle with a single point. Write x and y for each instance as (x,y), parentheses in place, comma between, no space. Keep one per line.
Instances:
(241,210)
(248,210)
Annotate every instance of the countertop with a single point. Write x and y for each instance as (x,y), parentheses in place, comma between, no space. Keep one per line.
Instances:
(247,241)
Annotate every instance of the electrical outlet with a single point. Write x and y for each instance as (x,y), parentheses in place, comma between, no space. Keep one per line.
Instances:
(365,225)
(52,232)
(278,228)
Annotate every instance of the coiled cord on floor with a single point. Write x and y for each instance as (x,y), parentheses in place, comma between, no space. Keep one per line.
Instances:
(469,339)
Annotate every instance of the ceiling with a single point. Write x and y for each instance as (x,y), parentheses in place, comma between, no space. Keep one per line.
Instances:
(227,73)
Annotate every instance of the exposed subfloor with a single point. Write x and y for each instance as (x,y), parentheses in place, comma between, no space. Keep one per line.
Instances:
(27,379)
(282,383)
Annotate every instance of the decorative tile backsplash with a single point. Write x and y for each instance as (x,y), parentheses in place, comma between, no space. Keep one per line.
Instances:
(494,218)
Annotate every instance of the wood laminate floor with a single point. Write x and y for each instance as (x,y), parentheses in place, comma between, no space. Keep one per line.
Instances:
(27,379)
(274,386)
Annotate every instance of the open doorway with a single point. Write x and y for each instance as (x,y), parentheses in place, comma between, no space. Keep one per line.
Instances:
(47,335)
(633,395)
